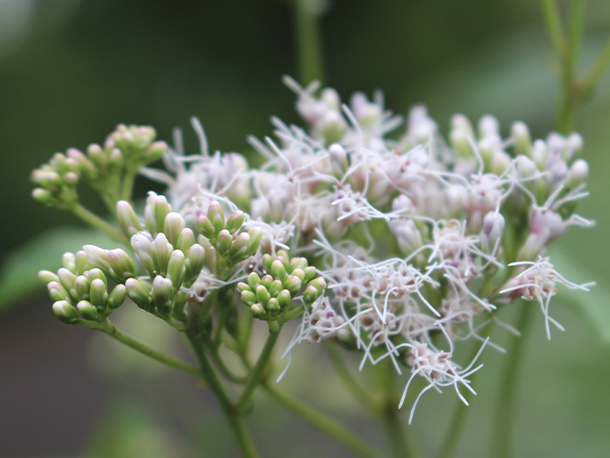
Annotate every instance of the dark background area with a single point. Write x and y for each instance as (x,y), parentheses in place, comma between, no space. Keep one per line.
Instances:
(70,70)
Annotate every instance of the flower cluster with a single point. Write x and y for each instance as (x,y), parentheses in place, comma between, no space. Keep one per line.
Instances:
(403,238)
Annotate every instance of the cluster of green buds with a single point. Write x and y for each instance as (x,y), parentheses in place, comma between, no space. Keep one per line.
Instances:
(109,170)
(167,251)
(225,239)
(80,290)
(285,279)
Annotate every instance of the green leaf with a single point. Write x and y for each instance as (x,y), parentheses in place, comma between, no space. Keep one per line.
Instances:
(19,272)
(595,304)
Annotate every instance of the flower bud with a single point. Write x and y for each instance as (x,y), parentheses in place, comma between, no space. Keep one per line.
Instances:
(235,221)
(521,138)
(338,160)
(266,281)
(248,297)
(163,294)
(578,173)
(186,239)
(256,235)
(87,311)
(97,273)
(67,279)
(160,251)
(81,262)
(47,277)
(117,297)
(195,259)
(98,257)
(273,307)
(58,292)
(128,220)
(204,227)
(284,298)
(97,294)
(310,295)
(160,209)
(172,227)
(258,311)
(121,264)
(493,226)
(278,270)
(141,244)
(275,288)
(241,286)
(97,157)
(43,196)
(66,312)
(176,268)
(239,247)
(319,284)
(253,280)
(262,295)
(293,284)
(225,240)
(139,293)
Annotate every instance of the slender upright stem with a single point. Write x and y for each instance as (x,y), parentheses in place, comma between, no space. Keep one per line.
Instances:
(309,43)
(596,71)
(234,417)
(502,437)
(127,186)
(553,24)
(322,422)
(254,378)
(391,414)
(113,332)
(357,391)
(93,220)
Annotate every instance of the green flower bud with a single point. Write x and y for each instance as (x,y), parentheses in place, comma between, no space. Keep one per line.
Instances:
(275,288)
(218,223)
(81,263)
(156,151)
(266,281)
(298,272)
(225,240)
(160,251)
(204,227)
(248,297)
(174,223)
(273,307)
(163,294)
(239,247)
(71,179)
(117,297)
(235,221)
(253,280)
(195,259)
(186,239)
(97,294)
(66,312)
(268,261)
(293,284)
(58,292)
(318,283)
(128,220)
(310,295)
(278,270)
(85,166)
(98,257)
(47,277)
(241,286)
(310,272)
(121,264)
(82,286)
(215,209)
(139,293)
(256,235)
(298,263)
(521,138)
(68,260)
(97,157)
(142,246)
(97,273)
(262,295)
(258,311)
(176,268)
(43,196)
(284,298)
(87,311)
(160,208)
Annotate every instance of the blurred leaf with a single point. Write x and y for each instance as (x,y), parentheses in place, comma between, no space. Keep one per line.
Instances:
(19,273)
(595,305)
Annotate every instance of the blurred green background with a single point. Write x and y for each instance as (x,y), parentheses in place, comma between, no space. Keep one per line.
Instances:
(70,70)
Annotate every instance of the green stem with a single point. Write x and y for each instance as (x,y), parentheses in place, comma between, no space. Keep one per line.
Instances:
(93,220)
(357,391)
(460,411)
(309,44)
(257,371)
(127,186)
(502,437)
(596,71)
(391,416)
(322,422)
(234,417)
(113,332)
(553,24)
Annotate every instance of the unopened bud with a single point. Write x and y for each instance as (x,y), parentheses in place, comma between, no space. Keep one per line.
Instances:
(578,173)
(176,268)
(174,223)
(139,293)
(275,288)
(117,297)
(521,138)
(310,295)
(162,294)
(160,251)
(284,298)
(248,297)
(128,220)
(235,221)
(278,270)
(293,284)
(262,295)
(121,264)
(87,311)
(66,312)
(225,240)
(258,311)
(98,294)
(256,235)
